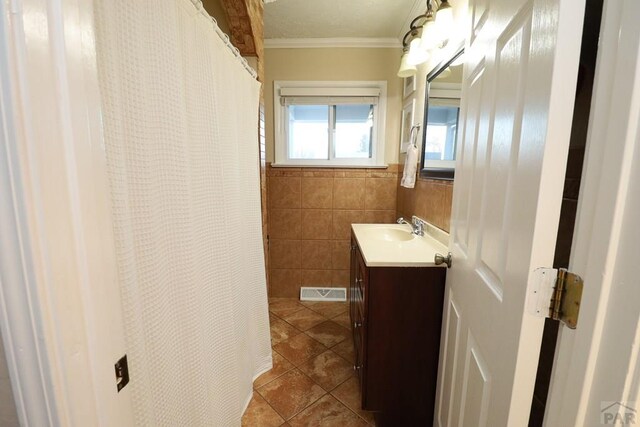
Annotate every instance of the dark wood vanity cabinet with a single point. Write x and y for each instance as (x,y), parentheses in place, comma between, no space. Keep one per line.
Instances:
(396,315)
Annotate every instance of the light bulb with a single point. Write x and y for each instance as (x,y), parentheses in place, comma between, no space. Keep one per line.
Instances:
(406,70)
(444,18)
(417,55)
(430,36)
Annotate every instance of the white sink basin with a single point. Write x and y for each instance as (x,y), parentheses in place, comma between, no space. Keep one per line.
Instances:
(389,234)
(393,245)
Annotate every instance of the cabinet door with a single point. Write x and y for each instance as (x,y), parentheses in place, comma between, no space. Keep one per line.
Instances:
(360,316)
(352,280)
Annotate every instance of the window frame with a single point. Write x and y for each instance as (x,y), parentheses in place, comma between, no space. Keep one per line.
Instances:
(330,89)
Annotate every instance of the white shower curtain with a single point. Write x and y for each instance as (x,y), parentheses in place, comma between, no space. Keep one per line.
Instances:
(181,137)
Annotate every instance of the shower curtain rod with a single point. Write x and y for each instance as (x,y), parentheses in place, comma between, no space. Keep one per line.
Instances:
(225,38)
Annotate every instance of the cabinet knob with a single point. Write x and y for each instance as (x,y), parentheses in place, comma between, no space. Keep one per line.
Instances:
(357,325)
(356,367)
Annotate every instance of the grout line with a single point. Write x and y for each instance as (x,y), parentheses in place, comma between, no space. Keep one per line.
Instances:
(311,403)
(296,367)
(347,406)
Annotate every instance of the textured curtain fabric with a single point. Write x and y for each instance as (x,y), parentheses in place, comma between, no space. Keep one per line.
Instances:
(181,137)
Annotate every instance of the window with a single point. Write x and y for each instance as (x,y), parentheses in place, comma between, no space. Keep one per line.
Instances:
(329,123)
(442,129)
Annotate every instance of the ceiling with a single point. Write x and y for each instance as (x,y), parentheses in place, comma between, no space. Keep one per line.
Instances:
(337,19)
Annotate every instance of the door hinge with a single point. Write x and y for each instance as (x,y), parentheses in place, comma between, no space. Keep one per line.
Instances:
(556,294)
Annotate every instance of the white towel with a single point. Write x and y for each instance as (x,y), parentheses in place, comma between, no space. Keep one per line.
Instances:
(410,167)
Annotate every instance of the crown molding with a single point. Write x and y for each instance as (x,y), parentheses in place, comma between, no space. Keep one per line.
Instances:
(362,42)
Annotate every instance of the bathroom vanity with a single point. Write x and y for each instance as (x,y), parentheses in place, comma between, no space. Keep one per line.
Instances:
(396,299)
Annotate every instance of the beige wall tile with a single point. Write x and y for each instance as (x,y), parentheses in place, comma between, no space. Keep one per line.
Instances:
(285,223)
(342,221)
(448,202)
(310,245)
(317,193)
(271,171)
(380,217)
(409,206)
(340,278)
(317,278)
(284,192)
(316,224)
(318,173)
(381,193)
(341,255)
(348,193)
(350,173)
(285,282)
(316,254)
(434,204)
(429,200)
(285,253)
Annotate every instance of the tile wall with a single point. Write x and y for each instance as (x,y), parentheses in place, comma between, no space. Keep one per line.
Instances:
(310,212)
(430,200)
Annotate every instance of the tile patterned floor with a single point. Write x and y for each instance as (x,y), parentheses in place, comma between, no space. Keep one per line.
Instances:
(312,381)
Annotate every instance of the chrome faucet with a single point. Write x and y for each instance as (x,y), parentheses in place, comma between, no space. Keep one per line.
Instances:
(417,227)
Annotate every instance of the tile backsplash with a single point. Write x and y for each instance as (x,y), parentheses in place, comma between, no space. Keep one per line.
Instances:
(310,216)
(430,200)
(310,212)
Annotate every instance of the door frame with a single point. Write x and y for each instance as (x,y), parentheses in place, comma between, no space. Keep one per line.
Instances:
(21,322)
(62,322)
(582,356)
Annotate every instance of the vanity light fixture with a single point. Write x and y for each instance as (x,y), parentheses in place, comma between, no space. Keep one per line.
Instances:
(406,70)
(426,33)
(417,55)
(444,16)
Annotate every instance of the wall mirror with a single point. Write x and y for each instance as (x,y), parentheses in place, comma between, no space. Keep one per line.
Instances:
(441,115)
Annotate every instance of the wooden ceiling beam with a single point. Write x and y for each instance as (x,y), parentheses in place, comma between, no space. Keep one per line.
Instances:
(240,26)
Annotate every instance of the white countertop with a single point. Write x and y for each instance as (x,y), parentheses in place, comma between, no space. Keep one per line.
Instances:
(393,245)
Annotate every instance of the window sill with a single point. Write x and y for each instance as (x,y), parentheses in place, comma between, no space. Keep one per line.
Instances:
(293,165)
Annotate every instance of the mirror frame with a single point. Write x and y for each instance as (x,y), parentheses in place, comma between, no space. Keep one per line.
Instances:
(427,172)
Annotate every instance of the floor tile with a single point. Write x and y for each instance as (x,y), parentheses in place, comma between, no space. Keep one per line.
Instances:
(304,319)
(327,369)
(282,307)
(280,366)
(346,350)
(329,333)
(291,393)
(349,394)
(343,319)
(299,348)
(281,330)
(260,413)
(329,309)
(327,412)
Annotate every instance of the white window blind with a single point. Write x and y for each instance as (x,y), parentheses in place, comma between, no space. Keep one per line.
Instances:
(328,100)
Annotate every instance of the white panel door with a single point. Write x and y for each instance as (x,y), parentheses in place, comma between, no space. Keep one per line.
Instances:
(518,91)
